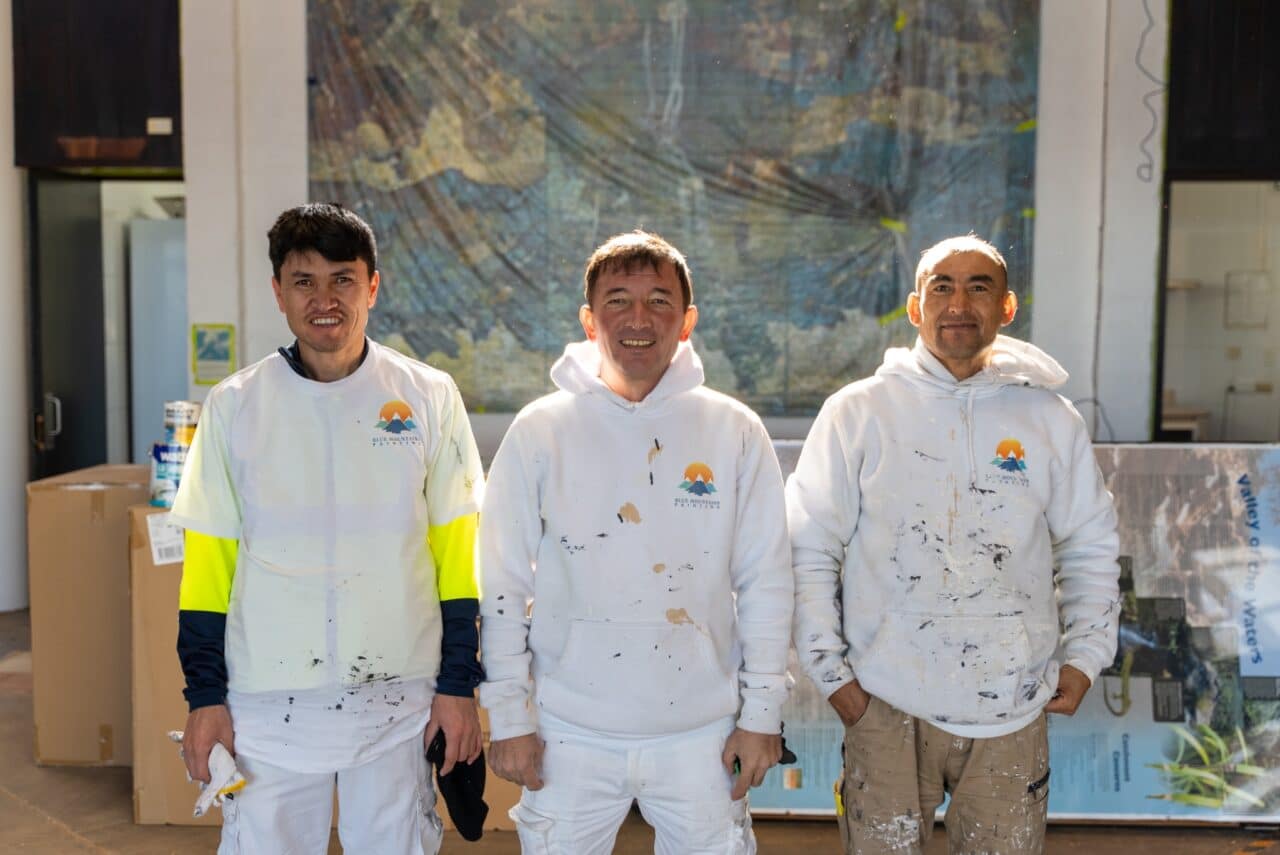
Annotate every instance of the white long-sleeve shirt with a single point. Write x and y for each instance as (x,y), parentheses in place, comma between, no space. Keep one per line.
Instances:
(634,560)
(928,517)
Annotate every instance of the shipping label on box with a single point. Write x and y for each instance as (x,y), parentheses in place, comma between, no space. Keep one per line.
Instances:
(165,539)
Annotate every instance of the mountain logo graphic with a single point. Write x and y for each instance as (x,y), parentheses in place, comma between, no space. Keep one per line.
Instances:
(1009,456)
(395,417)
(698,480)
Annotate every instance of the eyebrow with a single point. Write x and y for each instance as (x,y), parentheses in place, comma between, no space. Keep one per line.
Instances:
(942,277)
(661,289)
(306,274)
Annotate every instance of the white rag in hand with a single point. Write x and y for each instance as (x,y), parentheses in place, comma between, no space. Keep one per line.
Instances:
(224,777)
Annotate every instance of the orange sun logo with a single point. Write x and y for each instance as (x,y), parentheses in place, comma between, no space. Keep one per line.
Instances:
(1010,456)
(396,417)
(698,479)
(1010,446)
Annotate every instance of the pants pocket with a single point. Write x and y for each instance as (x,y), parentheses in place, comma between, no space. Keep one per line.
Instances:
(533,829)
(742,841)
(430,828)
(230,842)
(872,701)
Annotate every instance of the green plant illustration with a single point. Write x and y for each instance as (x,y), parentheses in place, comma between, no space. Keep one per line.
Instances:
(1206,773)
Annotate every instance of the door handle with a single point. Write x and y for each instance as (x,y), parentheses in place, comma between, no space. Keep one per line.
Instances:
(52,418)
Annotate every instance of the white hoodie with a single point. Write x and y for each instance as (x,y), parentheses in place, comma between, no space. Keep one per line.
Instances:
(946,506)
(627,529)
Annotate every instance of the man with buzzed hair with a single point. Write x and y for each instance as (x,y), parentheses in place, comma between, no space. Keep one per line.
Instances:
(955,560)
(649,505)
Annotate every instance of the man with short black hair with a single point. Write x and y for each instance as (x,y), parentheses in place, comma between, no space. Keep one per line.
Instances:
(328,602)
(645,659)
(955,561)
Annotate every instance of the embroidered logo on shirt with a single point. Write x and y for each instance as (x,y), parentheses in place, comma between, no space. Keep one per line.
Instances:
(395,417)
(1010,456)
(698,480)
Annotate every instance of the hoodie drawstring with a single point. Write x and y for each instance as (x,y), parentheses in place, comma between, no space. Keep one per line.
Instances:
(973,459)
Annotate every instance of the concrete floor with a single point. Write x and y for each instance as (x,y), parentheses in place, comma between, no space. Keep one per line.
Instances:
(62,810)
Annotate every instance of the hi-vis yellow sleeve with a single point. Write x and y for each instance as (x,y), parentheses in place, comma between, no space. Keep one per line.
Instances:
(453,546)
(208,568)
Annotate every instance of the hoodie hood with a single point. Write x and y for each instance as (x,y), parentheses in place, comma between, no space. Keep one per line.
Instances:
(577,372)
(1013,363)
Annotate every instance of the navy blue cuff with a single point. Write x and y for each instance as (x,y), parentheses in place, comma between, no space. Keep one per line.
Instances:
(460,669)
(201,650)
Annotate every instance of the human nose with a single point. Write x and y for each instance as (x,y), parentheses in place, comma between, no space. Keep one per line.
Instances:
(637,314)
(958,302)
(326,294)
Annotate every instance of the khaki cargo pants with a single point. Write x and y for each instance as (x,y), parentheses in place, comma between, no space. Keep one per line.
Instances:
(897,768)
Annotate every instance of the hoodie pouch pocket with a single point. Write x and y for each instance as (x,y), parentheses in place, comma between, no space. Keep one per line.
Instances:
(965,669)
(638,678)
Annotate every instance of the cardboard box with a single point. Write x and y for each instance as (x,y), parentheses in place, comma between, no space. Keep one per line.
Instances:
(162,795)
(78,565)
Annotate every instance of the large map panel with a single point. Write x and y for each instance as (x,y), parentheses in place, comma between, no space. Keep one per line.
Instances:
(802,154)
(1185,724)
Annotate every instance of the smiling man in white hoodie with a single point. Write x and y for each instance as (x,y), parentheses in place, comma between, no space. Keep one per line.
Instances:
(955,558)
(637,591)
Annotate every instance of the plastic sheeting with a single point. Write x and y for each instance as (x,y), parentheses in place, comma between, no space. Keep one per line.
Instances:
(801,154)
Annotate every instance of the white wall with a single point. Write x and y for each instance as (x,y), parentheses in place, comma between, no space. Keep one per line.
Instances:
(1097,220)
(1216,227)
(244,97)
(13,344)
(1099,162)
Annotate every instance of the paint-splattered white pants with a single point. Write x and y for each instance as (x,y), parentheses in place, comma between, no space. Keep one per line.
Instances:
(386,807)
(590,782)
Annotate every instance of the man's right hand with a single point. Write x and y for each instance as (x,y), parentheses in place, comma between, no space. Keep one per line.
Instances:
(205,726)
(518,760)
(850,702)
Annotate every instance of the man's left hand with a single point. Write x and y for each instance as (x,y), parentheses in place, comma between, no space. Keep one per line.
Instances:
(1072,685)
(755,753)
(458,718)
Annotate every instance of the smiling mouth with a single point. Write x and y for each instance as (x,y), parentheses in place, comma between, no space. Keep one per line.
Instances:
(325,321)
(637,342)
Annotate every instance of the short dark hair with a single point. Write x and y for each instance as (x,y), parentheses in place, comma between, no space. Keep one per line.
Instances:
(335,232)
(633,251)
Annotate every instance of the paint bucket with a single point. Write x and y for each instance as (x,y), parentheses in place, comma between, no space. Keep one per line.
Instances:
(180,419)
(166,472)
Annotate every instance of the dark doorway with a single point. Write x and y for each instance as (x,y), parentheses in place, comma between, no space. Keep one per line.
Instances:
(68,408)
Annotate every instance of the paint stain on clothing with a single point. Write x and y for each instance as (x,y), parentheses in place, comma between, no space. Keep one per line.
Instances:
(655,451)
(659,568)
(628,513)
(679,616)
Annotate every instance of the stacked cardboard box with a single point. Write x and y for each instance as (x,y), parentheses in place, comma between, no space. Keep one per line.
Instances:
(78,562)
(161,792)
